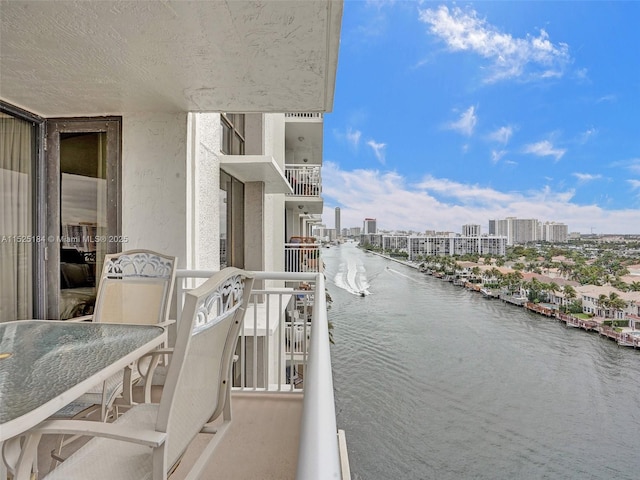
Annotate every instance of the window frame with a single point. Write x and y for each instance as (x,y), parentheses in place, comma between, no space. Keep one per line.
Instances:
(234,205)
(232,133)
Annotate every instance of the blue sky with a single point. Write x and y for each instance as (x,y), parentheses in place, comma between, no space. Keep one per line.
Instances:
(454,113)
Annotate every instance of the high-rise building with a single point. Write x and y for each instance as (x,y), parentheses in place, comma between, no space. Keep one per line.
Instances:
(471,230)
(555,232)
(448,245)
(369,226)
(337,226)
(517,230)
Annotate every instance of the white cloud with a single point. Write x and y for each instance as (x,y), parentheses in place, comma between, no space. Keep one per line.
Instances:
(496,155)
(544,149)
(587,134)
(467,122)
(378,150)
(502,134)
(635,184)
(353,137)
(586,177)
(511,57)
(582,74)
(442,204)
(634,166)
(607,98)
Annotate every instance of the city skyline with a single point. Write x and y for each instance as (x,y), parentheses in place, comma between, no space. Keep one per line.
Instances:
(447,114)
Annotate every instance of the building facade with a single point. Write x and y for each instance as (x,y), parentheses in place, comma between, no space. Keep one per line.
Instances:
(419,246)
(523,230)
(178,151)
(471,230)
(395,242)
(369,226)
(555,232)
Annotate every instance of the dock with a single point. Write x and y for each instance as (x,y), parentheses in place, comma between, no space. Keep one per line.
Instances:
(541,309)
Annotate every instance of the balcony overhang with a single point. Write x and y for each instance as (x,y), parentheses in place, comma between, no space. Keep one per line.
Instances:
(70,58)
(256,168)
(305,205)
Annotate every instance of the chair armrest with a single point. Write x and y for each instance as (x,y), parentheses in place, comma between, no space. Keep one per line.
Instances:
(156,355)
(166,323)
(83,318)
(155,359)
(150,438)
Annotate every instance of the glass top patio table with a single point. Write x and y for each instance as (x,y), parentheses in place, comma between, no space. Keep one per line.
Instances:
(46,364)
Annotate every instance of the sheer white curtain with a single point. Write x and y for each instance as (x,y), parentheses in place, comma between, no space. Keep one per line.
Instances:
(16,150)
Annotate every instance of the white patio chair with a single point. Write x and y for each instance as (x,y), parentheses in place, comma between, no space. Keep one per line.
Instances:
(135,287)
(148,440)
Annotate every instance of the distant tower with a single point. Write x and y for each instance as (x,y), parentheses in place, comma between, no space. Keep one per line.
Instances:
(338,230)
(471,230)
(369,226)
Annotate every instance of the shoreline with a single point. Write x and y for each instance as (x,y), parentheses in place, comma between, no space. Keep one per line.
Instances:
(621,338)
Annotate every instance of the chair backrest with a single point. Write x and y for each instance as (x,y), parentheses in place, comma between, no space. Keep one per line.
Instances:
(135,287)
(199,376)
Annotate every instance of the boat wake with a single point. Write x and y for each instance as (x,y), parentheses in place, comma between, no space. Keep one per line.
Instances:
(396,272)
(352,277)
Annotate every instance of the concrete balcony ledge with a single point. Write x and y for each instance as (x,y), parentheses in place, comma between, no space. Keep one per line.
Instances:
(257,168)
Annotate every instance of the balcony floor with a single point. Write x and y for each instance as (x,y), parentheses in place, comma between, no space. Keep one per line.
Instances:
(262,441)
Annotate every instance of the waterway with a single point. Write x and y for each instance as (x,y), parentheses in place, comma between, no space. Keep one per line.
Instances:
(436,382)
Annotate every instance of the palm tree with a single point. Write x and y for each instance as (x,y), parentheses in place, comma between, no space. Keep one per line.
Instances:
(564,269)
(616,303)
(602,303)
(569,294)
(553,288)
(475,273)
(512,280)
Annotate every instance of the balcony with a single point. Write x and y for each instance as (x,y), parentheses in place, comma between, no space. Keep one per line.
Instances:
(284,423)
(305,180)
(306,186)
(302,257)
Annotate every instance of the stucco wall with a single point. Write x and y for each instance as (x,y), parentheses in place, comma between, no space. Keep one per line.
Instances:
(154,182)
(274,208)
(171,183)
(204,191)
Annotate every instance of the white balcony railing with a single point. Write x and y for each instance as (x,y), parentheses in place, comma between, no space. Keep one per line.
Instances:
(284,347)
(302,258)
(305,180)
(304,115)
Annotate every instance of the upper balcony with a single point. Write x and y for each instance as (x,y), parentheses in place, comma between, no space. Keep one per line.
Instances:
(314,117)
(303,138)
(306,186)
(302,255)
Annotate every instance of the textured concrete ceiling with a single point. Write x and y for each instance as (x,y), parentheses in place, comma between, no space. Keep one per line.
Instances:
(77,58)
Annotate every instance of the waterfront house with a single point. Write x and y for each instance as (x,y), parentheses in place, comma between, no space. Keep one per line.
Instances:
(596,300)
(189,128)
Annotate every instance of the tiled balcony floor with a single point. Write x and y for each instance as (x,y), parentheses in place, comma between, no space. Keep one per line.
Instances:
(260,444)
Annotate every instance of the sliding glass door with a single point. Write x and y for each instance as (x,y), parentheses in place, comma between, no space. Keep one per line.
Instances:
(59,211)
(83,159)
